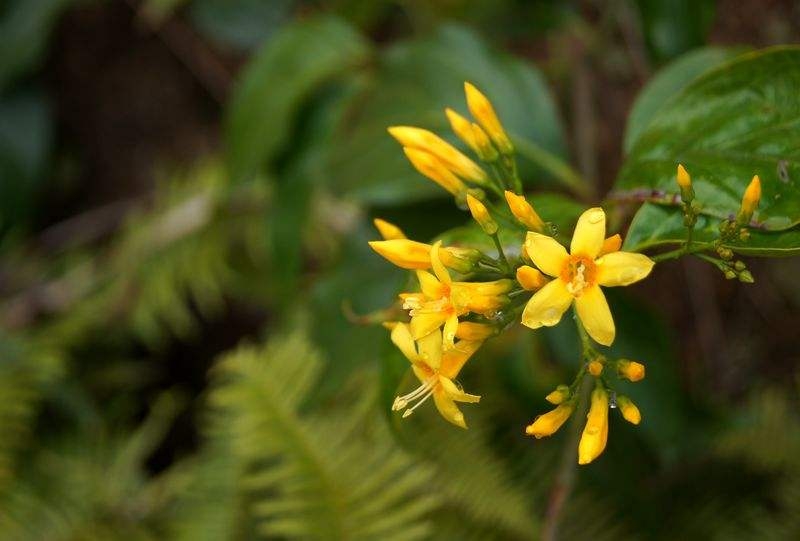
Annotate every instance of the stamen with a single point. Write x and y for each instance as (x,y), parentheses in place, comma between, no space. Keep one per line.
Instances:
(421,393)
(422,400)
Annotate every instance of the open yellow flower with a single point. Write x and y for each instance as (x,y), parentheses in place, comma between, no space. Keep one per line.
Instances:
(436,368)
(442,300)
(578,276)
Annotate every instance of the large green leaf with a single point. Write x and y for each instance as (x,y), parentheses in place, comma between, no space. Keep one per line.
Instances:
(656,225)
(412,85)
(738,120)
(669,82)
(281,76)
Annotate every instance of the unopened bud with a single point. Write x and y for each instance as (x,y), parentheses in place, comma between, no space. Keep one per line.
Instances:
(746,277)
(524,212)
(388,231)
(559,395)
(547,424)
(725,253)
(752,195)
(629,410)
(530,278)
(611,244)
(729,274)
(462,128)
(632,370)
(481,108)
(481,215)
(474,332)
(685,184)
(459,259)
(595,368)
(485,148)
(452,158)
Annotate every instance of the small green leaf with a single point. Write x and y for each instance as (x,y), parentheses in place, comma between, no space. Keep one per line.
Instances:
(280,77)
(669,82)
(412,85)
(738,120)
(657,225)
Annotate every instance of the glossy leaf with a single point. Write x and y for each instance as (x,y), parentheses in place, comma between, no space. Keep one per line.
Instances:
(289,67)
(412,85)
(657,225)
(669,82)
(738,120)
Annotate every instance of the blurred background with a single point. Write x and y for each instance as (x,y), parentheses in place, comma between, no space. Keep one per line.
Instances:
(186,292)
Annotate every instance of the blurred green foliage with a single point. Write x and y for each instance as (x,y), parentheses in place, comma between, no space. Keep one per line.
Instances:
(129,409)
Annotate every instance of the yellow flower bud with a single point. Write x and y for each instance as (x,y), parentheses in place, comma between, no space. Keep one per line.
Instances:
(530,278)
(481,215)
(752,195)
(550,422)
(433,168)
(474,332)
(629,410)
(595,433)
(481,108)
(485,148)
(388,230)
(406,254)
(630,369)
(595,368)
(447,154)
(559,395)
(523,211)
(611,244)
(685,184)
(462,128)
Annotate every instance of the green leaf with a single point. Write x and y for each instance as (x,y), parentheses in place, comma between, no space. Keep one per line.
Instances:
(412,85)
(656,225)
(738,120)
(294,63)
(668,82)
(672,27)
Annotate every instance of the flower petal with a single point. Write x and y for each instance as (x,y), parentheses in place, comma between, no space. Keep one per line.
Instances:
(589,234)
(423,324)
(430,349)
(622,268)
(454,359)
(430,286)
(450,328)
(595,315)
(546,253)
(436,263)
(401,336)
(448,408)
(456,394)
(547,305)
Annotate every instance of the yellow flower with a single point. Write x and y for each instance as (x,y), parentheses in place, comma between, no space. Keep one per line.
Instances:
(462,128)
(435,368)
(630,370)
(388,230)
(481,108)
(450,156)
(595,433)
(523,211)
(530,278)
(559,395)
(752,195)
(481,215)
(685,184)
(413,255)
(547,424)
(485,149)
(629,410)
(578,276)
(595,368)
(442,300)
(433,168)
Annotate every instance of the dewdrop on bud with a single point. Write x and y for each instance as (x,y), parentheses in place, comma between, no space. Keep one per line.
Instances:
(631,370)
(481,215)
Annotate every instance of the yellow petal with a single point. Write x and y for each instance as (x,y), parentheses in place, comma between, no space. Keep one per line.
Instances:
(547,305)
(435,169)
(427,141)
(450,328)
(546,253)
(462,128)
(595,315)
(406,254)
(388,230)
(448,408)
(453,359)
(611,244)
(589,233)
(622,268)
(468,330)
(456,394)
(401,336)
(430,285)
(436,262)
(423,324)
(430,349)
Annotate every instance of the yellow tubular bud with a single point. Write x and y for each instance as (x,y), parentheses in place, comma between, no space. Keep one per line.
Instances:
(629,410)
(523,211)
(406,254)
(611,244)
(530,278)
(462,128)
(559,395)
(481,108)
(550,422)
(447,154)
(474,332)
(481,215)
(630,370)
(595,433)
(685,184)
(595,368)
(388,231)
(485,148)
(752,195)
(433,168)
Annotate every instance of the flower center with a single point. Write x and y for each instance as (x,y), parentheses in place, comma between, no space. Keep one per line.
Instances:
(579,273)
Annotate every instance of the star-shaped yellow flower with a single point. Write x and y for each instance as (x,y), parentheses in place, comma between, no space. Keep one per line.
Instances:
(442,300)
(578,276)
(435,368)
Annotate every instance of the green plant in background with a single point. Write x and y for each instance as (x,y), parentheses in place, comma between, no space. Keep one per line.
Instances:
(129,409)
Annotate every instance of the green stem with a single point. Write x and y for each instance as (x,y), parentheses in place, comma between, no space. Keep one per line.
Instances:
(679,252)
(501,254)
(560,169)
